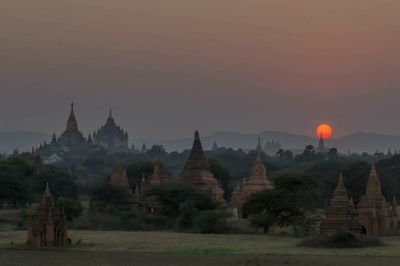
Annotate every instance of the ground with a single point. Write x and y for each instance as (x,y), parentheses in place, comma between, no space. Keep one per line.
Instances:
(164,248)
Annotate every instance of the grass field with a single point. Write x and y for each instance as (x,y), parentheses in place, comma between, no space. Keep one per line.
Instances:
(163,248)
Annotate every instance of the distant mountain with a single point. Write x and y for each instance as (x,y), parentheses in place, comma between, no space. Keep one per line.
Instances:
(21,140)
(358,142)
(367,142)
(233,140)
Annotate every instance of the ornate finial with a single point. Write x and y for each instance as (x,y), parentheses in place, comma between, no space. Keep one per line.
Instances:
(72,106)
(110,114)
(196,134)
(47,187)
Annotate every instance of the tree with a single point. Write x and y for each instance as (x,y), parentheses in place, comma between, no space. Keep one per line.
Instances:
(72,208)
(300,193)
(222,175)
(265,209)
(171,196)
(61,183)
(15,187)
(285,205)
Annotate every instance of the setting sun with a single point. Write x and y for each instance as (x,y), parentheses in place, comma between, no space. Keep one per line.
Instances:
(324,130)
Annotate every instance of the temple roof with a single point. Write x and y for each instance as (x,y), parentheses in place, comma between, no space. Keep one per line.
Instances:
(197,152)
(373,185)
(72,125)
(119,178)
(340,191)
(72,135)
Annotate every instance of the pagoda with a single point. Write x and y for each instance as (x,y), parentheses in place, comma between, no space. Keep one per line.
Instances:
(257,182)
(111,136)
(197,171)
(321,145)
(374,215)
(340,214)
(71,143)
(119,193)
(158,177)
(47,227)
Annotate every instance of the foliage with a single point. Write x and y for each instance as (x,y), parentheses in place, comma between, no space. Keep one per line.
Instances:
(187,212)
(15,187)
(285,205)
(342,239)
(72,208)
(60,182)
(223,176)
(211,222)
(172,195)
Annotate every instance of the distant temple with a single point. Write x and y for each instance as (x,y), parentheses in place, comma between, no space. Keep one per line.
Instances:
(119,194)
(111,137)
(47,227)
(372,216)
(197,171)
(257,182)
(321,146)
(71,143)
(158,177)
(259,147)
(272,147)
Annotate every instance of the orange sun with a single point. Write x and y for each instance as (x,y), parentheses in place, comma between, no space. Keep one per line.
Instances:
(324,130)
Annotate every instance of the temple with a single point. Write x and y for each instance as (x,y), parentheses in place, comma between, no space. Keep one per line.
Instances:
(340,214)
(47,227)
(321,146)
(257,182)
(272,147)
(197,171)
(158,177)
(259,147)
(119,193)
(71,144)
(111,137)
(372,215)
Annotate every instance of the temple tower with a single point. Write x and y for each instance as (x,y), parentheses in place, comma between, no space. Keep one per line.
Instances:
(321,145)
(47,227)
(257,182)
(373,213)
(340,213)
(158,177)
(197,171)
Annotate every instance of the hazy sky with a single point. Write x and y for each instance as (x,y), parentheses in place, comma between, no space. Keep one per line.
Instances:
(170,67)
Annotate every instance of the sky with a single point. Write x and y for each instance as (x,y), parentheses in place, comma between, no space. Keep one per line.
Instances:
(167,68)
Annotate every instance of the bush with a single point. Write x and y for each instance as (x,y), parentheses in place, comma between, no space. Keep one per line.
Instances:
(187,213)
(72,208)
(211,222)
(343,239)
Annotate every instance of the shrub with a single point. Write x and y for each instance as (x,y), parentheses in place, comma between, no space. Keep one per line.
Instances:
(72,208)
(211,222)
(342,239)
(187,213)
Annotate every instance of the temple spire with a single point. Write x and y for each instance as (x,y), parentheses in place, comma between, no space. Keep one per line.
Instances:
(340,190)
(72,125)
(373,185)
(110,114)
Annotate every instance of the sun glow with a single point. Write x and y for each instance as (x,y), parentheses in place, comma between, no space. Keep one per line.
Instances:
(324,130)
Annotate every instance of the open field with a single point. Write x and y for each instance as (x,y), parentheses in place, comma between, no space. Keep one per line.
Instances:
(164,248)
